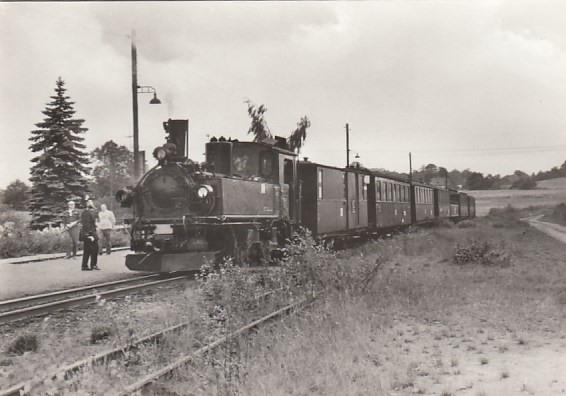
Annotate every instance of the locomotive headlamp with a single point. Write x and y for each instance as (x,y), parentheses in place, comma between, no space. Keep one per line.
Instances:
(204,191)
(160,153)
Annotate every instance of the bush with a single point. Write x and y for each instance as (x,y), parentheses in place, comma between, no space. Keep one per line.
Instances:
(475,251)
(22,344)
(467,224)
(18,240)
(100,333)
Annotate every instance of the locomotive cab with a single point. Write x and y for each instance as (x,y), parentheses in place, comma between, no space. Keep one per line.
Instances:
(257,161)
(263,162)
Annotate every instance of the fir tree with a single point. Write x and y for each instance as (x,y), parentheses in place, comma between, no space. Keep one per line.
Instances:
(60,169)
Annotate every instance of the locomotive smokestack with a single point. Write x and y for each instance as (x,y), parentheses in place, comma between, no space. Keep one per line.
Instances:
(178,134)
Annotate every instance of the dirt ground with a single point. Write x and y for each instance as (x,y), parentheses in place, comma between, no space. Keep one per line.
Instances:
(490,362)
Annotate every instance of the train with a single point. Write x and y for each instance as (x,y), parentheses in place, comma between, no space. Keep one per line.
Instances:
(249,198)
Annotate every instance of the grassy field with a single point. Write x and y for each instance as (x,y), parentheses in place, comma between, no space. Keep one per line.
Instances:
(548,193)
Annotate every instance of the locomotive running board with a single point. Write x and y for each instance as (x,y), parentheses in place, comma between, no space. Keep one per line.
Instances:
(168,262)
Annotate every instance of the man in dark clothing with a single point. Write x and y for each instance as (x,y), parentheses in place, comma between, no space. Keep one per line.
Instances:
(90,237)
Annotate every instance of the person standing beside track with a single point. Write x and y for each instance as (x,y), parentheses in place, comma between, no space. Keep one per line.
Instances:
(106,223)
(89,237)
(71,221)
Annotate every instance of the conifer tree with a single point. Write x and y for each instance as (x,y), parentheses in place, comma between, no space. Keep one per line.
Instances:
(60,169)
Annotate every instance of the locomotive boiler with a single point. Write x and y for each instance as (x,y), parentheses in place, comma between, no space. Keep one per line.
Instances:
(242,202)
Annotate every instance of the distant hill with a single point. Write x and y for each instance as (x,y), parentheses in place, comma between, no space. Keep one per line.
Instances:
(552,184)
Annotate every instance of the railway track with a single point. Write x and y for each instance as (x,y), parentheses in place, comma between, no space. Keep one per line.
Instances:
(43,304)
(184,360)
(66,372)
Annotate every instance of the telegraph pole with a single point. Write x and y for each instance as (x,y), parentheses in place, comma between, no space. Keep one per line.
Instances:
(347,146)
(347,176)
(135,107)
(410,168)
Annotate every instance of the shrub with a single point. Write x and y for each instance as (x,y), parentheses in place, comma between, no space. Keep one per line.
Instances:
(18,240)
(100,333)
(22,344)
(475,251)
(467,224)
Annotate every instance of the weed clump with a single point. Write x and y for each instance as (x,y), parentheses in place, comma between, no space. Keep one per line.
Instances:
(467,224)
(100,333)
(483,252)
(22,344)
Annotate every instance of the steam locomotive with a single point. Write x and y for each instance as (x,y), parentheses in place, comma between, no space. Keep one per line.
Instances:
(248,199)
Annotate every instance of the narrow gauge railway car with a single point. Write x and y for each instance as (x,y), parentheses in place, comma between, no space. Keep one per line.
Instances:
(441,203)
(464,206)
(471,207)
(334,200)
(422,198)
(389,203)
(454,205)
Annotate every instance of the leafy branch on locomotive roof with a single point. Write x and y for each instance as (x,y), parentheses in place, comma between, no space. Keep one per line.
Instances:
(261,132)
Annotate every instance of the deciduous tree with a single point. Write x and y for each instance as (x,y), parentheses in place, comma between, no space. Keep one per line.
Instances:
(16,195)
(113,168)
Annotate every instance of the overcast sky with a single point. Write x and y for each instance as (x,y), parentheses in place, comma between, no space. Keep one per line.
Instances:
(461,84)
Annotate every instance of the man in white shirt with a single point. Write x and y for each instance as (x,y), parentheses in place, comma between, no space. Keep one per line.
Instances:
(106,223)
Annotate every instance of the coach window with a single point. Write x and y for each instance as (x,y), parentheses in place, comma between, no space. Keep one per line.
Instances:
(377,190)
(365,182)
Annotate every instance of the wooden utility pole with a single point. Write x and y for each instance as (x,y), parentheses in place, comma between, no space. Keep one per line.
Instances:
(135,107)
(410,168)
(347,146)
(347,177)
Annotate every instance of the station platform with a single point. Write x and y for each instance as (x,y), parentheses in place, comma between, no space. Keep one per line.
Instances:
(31,275)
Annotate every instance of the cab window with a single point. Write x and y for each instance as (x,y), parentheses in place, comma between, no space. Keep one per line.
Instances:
(266,163)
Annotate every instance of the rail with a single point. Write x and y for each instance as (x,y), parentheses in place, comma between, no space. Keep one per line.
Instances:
(24,387)
(54,304)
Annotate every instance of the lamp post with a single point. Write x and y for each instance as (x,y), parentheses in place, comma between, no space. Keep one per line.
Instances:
(135,90)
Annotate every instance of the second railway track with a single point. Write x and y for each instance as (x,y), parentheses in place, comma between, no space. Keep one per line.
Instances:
(43,304)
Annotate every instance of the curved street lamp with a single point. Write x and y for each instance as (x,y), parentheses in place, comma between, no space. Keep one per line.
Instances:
(149,89)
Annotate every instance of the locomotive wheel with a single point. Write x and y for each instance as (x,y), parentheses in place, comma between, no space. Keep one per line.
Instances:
(235,246)
(255,253)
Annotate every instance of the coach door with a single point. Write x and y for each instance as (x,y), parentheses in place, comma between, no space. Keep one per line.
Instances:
(290,178)
(353,199)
